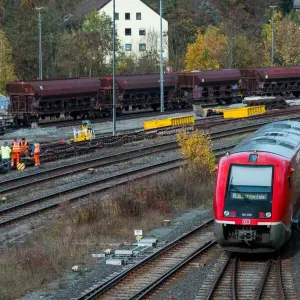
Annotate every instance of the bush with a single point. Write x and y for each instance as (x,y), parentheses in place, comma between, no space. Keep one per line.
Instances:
(197,149)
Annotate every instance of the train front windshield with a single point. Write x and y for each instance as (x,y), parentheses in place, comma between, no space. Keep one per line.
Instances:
(249,192)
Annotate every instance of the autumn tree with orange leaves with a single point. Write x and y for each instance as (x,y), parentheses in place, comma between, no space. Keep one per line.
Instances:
(208,50)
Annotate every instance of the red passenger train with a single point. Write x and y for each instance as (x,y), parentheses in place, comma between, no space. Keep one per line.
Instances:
(257,193)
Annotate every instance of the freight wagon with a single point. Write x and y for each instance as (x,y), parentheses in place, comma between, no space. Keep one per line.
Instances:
(92,97)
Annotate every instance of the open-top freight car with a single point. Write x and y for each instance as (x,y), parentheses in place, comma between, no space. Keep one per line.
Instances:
(221,86)
(279,81)
(72,97)
(92,97)
(143,91)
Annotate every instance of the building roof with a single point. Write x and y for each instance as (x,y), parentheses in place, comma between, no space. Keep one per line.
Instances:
(297,4)
(281,138)
(87,6)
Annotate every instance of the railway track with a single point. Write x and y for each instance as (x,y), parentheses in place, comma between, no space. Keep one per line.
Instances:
(51,200)
(248,277)
(144,277)
(27,208)
(54,151)
(125,116)
(41,176)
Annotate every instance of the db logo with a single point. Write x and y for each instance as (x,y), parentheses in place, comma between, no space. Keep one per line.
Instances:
(246,221)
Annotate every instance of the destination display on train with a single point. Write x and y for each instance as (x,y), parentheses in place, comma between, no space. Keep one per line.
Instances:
(249,196)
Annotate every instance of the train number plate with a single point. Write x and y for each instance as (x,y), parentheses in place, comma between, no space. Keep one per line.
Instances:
(246,221)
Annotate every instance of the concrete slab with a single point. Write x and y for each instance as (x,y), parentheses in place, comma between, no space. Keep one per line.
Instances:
(147,242)
(115,262)
(100,255)
(124,252)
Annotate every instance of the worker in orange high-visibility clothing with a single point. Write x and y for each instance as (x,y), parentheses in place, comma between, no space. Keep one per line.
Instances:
(24,146)
(16,152)
(35,150)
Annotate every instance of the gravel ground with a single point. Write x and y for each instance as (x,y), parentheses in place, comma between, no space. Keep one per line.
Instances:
(293,252)
(67,182)
(97,154)
(187,283)
(18,234)
(129,146)
(72,284)
(46,134)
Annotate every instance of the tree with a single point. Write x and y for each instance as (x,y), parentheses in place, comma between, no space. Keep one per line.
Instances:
(286,41)
(6,65)
(21,28)
(143,63)
(93,44)
(286,6)
(208,50)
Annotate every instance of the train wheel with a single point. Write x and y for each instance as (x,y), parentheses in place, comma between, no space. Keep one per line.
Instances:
(154,107)
(119,111)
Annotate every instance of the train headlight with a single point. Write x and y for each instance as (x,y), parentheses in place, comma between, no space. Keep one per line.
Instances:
(226,213)
(268,214)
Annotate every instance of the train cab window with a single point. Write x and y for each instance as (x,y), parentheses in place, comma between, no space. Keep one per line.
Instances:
(249,190)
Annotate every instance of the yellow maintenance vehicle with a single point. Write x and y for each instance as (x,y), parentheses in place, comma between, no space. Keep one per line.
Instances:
(85,133)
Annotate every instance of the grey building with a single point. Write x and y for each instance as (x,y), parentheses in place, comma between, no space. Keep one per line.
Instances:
(296,4)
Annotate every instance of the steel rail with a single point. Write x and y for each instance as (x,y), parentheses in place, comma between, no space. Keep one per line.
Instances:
(264,279)
(215,285)
(234,276)
(125,116)
(283,296)
(202,124)
(84,165)
(120,156)
(148,290)
(104,287)
(173,164)
(47,197)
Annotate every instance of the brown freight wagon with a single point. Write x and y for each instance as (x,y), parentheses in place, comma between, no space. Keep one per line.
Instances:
(143,91)
(278,81)
(220,86)
(75,97)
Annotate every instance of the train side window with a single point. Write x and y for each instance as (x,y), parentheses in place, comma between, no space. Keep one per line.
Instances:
(289,182)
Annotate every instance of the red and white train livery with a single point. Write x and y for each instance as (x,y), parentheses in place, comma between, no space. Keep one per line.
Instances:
(257,193)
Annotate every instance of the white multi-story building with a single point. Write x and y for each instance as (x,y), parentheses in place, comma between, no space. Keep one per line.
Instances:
(137,25)
(297,4)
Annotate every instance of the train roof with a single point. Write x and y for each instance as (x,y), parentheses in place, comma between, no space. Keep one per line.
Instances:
(208,76)
(281,138)
(44,88)
(273,73)
(146,81)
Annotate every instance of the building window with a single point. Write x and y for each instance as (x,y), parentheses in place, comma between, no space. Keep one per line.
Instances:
(142,31)
(127,16)
(116,16)
(127,31)
(142,47)
(138,16)
(127,47)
